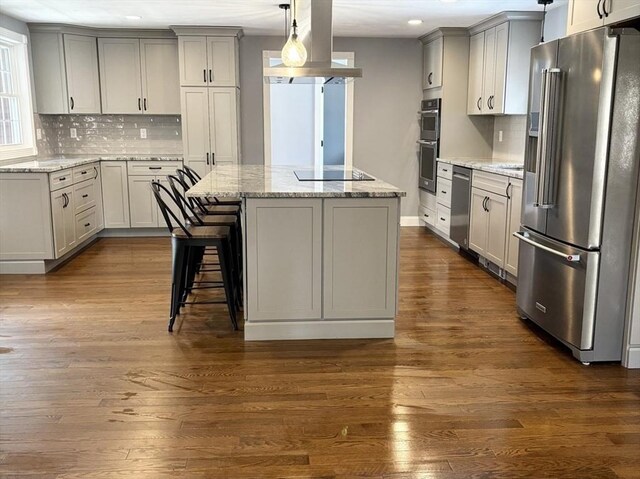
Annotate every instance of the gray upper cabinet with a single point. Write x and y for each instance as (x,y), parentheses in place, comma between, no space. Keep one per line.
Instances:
(432,66)
(208,60)
(81,62)
(66,73)
(139,76)
(499,56)
(588,14)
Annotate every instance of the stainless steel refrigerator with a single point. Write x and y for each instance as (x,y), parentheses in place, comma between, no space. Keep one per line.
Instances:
(580,185)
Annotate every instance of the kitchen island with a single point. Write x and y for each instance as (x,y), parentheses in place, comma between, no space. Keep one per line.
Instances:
(321,257)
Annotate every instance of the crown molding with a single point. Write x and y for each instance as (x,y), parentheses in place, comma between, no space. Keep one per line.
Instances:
(199,30)
(100,32)
(504,17)
(444,32)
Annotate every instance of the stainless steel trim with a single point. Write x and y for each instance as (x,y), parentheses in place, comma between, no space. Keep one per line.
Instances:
(602,140)
(524,236)
(425,142)
(429,111)
(589,305)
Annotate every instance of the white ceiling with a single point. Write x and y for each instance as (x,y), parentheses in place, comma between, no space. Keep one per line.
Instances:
(361,18)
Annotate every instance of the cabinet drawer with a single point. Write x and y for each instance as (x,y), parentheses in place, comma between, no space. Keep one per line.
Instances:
(490,182)
(443,219)
(162,168)
(85,172)
(445,170)
(86,224)
(444,192)
(428,200)
(84,195)
(427,215)
(60,179)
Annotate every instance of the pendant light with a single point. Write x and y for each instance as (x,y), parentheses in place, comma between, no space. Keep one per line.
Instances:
(294,54)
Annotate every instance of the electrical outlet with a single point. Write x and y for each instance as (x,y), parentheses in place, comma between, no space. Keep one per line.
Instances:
(143,133)
(73,133)
(500,136)
(38,133)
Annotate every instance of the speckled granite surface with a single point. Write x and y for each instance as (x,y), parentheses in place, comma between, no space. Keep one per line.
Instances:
(500,167)
(257,181)
(50,165)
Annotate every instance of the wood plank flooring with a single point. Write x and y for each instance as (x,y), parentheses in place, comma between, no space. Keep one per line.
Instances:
(92,385)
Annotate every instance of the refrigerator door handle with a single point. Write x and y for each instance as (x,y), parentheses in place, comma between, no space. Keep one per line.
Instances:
(546,141)
(524,236)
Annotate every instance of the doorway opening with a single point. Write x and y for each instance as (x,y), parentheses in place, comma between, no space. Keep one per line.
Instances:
(308,125)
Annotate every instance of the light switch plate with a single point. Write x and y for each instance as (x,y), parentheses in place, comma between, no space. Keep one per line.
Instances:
(39,133)
(500,136)
(143,133)
(73,133)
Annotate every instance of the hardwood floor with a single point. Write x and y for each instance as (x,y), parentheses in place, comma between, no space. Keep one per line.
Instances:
(92,385)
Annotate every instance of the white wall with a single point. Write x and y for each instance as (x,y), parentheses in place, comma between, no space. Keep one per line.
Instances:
(386,100)
(555,24)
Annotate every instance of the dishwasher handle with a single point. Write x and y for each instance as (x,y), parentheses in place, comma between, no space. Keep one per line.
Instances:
(460,176)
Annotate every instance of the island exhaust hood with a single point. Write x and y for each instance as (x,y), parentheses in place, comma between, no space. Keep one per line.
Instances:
(315,29)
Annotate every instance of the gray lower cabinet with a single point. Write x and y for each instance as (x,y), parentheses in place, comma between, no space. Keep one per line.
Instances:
(284,259)
(360,251)
(321,259)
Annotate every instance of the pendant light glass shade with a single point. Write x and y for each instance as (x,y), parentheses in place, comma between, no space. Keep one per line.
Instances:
(294,54)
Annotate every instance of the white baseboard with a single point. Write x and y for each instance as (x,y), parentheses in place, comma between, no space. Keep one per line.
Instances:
(325,329)
(410,221)
(632,358)
(132,232)
(23,267)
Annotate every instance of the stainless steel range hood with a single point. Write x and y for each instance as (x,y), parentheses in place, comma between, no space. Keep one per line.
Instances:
(316,32)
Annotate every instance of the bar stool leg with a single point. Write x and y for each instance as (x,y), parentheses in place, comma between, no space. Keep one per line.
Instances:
(177,278)
(224,253)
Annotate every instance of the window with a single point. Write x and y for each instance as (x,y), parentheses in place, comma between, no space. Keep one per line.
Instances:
(16,113)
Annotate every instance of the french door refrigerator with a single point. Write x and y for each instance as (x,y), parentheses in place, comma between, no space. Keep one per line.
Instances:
(580,186)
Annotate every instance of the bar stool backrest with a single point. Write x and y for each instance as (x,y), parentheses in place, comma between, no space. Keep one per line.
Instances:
(193,174)
(184,203)
(186,181)
(157,189)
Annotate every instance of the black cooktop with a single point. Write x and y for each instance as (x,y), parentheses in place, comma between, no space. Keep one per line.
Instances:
(338,174)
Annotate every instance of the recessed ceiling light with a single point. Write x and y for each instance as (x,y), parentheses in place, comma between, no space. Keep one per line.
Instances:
(415,22)
(132,17)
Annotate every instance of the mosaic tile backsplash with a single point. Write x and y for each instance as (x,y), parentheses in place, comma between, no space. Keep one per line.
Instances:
(109,134)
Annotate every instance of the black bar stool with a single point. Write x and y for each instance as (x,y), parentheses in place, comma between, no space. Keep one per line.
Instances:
(191,216)
(188,243)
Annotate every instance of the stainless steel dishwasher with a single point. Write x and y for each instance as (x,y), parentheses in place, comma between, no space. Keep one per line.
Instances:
(460,206)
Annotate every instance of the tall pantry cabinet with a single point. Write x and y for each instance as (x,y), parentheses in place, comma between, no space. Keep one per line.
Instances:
(209,96)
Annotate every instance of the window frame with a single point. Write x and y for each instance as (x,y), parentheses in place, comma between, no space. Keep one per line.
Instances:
(20,62)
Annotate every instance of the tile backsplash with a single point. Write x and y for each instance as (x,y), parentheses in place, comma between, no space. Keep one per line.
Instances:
(109,134)
(513,128)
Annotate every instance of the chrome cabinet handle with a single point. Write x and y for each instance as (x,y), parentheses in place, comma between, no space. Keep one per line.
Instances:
(524,236)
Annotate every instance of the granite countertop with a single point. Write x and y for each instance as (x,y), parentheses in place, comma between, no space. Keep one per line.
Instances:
(49,165)
(491,165)
(257,181)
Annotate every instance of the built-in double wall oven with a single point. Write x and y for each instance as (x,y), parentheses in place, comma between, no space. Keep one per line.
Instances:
(429,143)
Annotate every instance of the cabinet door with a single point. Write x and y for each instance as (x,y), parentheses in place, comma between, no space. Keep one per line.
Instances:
(620,10)
(64,221)
(433,64)
(489,76)
(221,56)
(160,83)
(223,125)
(478,220)
(49,77)
(583,15)
(476,66)
(360,258)
(515,206)
(121,87)
(115,194)
(500,66)
(284,259)
(195,128)
(193,60)
(81,63)
(497,229)
(143,208)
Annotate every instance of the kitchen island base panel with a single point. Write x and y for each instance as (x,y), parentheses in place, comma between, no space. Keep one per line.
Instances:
(323,329)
